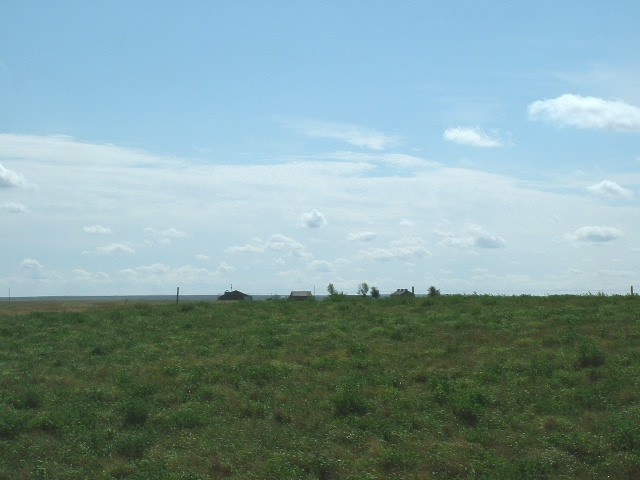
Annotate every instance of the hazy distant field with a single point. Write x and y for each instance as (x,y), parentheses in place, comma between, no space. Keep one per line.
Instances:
(449,387)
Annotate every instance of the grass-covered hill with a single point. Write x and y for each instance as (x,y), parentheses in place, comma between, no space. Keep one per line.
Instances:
(449,387)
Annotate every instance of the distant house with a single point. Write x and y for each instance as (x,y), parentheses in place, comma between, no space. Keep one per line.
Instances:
(234,295)
(403,292)
(300,295)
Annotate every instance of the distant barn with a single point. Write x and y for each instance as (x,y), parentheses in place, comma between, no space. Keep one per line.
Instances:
(403,292)
(234,295)
(300,295)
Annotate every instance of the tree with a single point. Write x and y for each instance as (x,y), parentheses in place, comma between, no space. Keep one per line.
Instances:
(332,290)
(433,291)
(363,289)
(375,293)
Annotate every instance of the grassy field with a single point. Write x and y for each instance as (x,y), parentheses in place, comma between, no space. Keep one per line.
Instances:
(445,387)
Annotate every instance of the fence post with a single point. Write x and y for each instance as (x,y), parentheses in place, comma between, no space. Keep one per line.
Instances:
(177,294)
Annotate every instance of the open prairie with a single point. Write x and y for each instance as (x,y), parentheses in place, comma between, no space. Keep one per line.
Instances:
(444,387)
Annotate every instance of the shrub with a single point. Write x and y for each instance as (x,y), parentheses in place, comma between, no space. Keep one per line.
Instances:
(375,293)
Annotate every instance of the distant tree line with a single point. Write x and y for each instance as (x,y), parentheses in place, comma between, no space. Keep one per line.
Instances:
(364,289)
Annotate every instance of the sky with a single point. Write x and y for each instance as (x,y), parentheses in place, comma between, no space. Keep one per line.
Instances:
(487,147)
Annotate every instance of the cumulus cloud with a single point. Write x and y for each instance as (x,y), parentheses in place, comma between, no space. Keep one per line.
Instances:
(321,266)
(276,242)
(10,179)
(98,229)
(587,112)
(361,237)
(111,249)
(13,207)
(405,222)
(596,234)
(313,219)
(386,159)
(485,240)
(31,264)
(31,269)
(169,232)
(160,274)
(405,253)
(474,237)
(83,276)
(225,268)
(164,237)
(353,134)
(473,137)
(611,189)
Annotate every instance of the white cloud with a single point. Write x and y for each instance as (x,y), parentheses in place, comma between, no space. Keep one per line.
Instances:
(489,241)
(475,236)
(215,202)
(386,159)
(99,229)
(611,189)
(169,232)
(395,253)
(203,257)
(473,137)
(284,243)
(255,247)
(313,219)
(321,266)
(587,112)
(405,222)
(10,179)
(31,265)
(111,249)
(596,234)
(13,207)
(32,270)
(160,274)
(276,242)
(353,134)
(225,268)
(361,237)
(83,276)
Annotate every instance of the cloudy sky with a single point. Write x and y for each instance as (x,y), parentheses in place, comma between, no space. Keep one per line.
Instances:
(475,146)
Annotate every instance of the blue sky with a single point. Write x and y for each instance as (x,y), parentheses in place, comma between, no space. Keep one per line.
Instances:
(476,146)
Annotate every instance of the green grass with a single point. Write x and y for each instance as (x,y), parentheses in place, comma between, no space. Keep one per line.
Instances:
(445,387)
